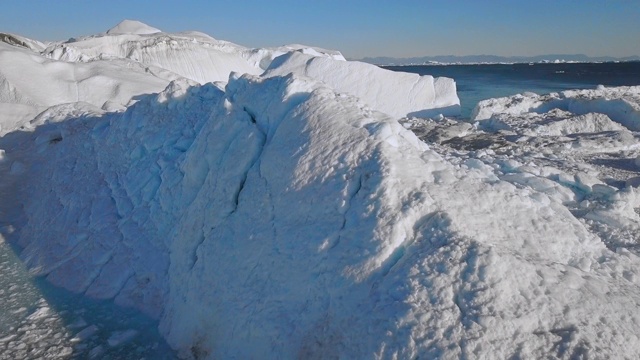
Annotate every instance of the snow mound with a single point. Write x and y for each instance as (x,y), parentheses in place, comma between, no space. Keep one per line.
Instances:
(394,93)
(553,123)
(111,252)
(132,27)
(280,217)
(621,104)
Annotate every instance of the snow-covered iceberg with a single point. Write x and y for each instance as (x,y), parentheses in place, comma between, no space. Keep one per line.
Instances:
(291,214)
(621,104)
(110,69)
(397,94)
(31,83)
(193,55)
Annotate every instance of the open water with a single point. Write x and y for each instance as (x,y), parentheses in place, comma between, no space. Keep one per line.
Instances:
(485,81)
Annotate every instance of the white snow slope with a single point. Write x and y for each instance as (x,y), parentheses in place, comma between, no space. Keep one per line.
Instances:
(289,215)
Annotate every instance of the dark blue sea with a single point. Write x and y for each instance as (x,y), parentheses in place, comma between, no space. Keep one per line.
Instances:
(479,82)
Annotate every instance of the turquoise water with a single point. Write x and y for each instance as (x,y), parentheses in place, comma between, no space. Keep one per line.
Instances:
(38,320)
(41,321)
(480,82)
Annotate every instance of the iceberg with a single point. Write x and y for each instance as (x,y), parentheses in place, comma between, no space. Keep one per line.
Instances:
(191,54)
(292,204)
(621,104)
(30,84)
(397,94)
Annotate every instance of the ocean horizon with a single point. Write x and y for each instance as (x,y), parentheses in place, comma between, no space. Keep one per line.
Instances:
(477,82)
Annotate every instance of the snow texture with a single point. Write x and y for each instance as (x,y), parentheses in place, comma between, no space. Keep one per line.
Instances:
(308,212)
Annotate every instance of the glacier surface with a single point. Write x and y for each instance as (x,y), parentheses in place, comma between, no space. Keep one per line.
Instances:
(321,208)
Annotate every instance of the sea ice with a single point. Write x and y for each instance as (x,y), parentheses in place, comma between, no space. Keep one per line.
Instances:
(120,337)
(86,333)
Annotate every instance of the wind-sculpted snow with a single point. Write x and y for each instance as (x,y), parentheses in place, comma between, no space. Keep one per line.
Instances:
(356,228)
(291,215)
(397,94)
(262,57)
(29,84)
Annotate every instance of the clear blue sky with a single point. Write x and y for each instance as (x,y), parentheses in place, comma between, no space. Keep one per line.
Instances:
(358,28)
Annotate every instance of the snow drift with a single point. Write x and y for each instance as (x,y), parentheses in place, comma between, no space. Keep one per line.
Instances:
(291,215)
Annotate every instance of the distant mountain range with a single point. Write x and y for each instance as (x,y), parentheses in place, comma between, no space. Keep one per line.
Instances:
(475,59)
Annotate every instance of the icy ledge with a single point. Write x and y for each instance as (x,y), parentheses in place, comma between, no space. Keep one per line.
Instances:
(281,217)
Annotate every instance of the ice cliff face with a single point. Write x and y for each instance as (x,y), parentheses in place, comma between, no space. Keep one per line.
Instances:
(291,215)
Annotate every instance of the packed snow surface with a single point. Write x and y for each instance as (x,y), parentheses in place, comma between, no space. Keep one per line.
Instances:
(323,208)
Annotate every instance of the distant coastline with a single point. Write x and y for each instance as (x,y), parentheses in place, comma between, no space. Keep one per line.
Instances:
(507,63)
(446,60)
(478,82)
